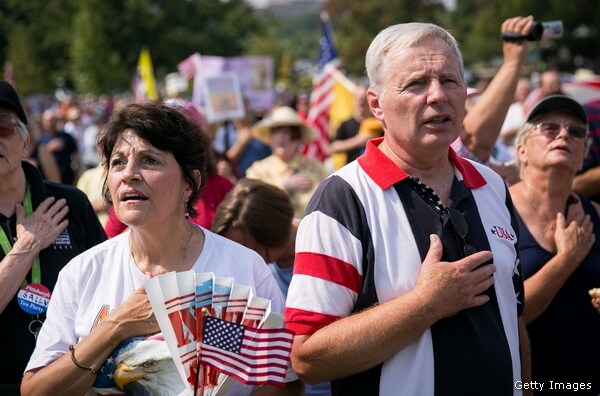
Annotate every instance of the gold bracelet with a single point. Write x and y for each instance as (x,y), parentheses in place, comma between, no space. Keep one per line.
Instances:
(90,369)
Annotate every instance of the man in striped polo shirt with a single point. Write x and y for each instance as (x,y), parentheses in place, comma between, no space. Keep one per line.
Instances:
(407,280)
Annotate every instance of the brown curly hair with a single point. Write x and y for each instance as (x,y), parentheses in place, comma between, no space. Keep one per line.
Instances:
(167,129)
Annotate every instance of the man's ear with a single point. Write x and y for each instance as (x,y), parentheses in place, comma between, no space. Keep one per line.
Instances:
(373,100)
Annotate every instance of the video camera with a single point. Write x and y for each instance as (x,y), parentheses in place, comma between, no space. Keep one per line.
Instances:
(541,30)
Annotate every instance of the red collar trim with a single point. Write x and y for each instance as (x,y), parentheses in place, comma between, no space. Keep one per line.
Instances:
(471,176)
(380,168)
(385,173)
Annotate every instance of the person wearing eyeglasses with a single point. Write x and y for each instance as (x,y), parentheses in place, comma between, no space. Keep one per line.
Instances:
(407,279)
(42,226)
(559,242)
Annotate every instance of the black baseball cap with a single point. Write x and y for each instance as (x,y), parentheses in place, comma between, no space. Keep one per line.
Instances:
(559,103)
(9,100)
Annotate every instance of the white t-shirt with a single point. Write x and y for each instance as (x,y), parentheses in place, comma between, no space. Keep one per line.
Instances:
(100,279)
(515,117)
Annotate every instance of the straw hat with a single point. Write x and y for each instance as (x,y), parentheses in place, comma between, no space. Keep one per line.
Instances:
(282,116)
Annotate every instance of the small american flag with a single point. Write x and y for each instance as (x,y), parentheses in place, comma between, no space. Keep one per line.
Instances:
(252,356)
(187,68)
(321,94)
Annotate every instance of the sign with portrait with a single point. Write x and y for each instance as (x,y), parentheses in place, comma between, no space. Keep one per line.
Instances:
(254,73)
(223,97)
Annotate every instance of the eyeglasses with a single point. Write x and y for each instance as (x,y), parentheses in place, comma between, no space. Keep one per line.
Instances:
(552,129)
(462,229)
(8,126)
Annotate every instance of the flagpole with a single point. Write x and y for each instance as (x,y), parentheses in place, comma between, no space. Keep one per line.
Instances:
(324,15)
(205,313)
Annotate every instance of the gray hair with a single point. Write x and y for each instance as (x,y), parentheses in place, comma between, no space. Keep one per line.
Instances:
(22,128)
(399,37)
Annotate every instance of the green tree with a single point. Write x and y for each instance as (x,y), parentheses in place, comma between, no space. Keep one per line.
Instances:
(37,42)
(477,27)
(357,22)
(96,67)
(291,39)
(94,45)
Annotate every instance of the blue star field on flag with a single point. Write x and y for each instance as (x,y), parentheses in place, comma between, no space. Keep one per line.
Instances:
(327,51)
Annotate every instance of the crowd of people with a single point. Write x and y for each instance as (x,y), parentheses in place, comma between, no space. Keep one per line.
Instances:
(451,251)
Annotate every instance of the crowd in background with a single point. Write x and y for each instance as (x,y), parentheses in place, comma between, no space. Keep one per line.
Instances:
(64,132)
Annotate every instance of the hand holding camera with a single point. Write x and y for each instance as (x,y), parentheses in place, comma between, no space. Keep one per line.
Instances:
(540,31)
(516,50)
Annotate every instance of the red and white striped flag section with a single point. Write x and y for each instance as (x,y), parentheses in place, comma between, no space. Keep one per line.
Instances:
(583,89)
(187,68)
(321,95)
(252,356)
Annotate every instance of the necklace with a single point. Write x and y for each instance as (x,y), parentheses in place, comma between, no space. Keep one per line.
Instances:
(183,257)
(187,247)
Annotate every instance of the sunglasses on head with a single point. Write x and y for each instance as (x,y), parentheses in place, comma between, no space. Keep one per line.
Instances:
(8,126)
(552,129)
(462,229)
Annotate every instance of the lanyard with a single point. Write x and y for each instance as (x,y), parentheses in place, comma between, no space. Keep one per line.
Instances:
(36,274)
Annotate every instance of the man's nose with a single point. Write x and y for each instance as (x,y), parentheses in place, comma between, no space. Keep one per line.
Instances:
(436,92)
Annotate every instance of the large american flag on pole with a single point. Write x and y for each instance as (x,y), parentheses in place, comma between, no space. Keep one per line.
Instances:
(252,356)
(321,94)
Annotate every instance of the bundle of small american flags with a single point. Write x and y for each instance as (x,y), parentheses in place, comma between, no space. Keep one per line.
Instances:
(218,332)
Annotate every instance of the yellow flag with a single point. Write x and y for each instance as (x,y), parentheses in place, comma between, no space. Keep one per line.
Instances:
(146,72)
(285,68)
(342,108)
(342,105)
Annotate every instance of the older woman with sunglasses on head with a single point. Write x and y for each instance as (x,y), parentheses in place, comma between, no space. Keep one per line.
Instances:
(42,226)
(559,241)
(156,167)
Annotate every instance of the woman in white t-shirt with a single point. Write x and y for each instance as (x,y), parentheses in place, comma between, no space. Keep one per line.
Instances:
(155,170)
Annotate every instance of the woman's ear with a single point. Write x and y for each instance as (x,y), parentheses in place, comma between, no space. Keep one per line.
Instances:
(188,190)
(197,177)
(521,153)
